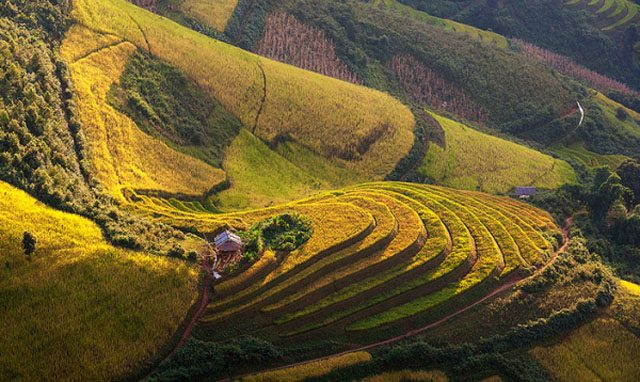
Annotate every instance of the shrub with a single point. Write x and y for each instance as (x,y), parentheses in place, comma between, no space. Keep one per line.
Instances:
(286,232)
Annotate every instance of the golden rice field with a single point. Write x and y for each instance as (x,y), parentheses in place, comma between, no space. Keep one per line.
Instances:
(214,13)
(476,161)
(312,369)
(365,130)
(80,301)
(384,257)
(586,354)
(399,8)
(120,153)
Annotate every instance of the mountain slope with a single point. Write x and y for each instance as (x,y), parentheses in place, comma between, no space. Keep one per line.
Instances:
(121,153)
(79,309)
(349,114)
(476,161)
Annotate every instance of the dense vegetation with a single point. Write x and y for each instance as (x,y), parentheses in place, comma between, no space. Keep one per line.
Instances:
(607,214)
(43,143)
(284,232)
(552,25)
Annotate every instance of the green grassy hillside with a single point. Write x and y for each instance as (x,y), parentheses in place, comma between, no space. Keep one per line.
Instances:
(596,34)
(475,161)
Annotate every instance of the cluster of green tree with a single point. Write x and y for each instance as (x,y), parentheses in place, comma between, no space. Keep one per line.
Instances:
(284,232)
(606,211)
(245,26)
(42,146)
(552,25)
(196,359)
(167,105)
(498,354)
(627,100)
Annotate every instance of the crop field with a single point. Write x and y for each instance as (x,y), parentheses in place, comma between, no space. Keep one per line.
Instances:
(588,158)
(78,300)
(409,376)
(470,160)
(312,369)
(365,130)
(613,14)
(121,154)
(383,257)
(586,354)
(215,13)
(397,7)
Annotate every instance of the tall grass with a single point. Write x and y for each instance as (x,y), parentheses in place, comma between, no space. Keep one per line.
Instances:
(81,310)
(567,66)
(312,369)
(430,89)
(367,130)
(214,13)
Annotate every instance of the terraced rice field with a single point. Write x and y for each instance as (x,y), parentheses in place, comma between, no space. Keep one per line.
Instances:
(614,15)
(399,8)
(588,158)
(384,257)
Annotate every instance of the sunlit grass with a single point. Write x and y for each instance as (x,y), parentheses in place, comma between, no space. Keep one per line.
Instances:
(476,161)
(80,301)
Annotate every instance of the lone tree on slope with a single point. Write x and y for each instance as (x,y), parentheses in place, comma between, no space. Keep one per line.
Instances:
(28,243)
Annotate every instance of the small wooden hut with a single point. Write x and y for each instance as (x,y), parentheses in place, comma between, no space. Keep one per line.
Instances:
(525,192)
(228,241)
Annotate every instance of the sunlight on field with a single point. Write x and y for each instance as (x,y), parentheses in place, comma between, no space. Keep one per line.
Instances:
(602,350)
(382,255)
(80,301)
(366,129)
(313,369)
(409,376)
(476,161)
(122,155)
(633,289)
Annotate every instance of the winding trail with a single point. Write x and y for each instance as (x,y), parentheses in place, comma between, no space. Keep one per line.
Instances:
(515,279)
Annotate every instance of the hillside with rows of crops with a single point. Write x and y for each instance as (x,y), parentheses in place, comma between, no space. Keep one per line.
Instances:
(319,190)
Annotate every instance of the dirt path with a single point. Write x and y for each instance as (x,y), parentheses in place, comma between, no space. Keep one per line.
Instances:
(515,279)
(202,304)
